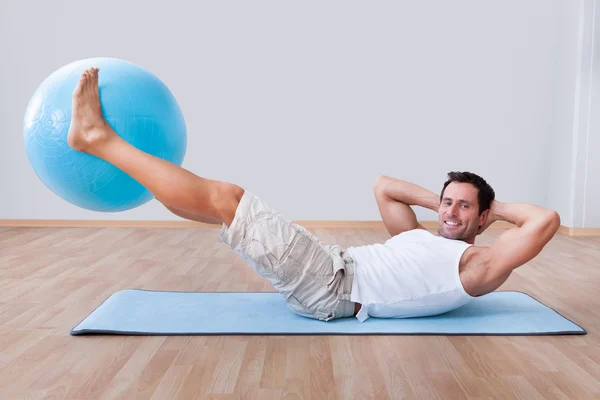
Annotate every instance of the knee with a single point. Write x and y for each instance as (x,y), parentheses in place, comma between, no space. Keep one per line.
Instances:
(230,193)
(227,198)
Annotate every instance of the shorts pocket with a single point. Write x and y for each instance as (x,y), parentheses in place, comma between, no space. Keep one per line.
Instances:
(268,240)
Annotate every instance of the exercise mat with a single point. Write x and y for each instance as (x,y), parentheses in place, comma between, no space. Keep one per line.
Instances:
(143,312)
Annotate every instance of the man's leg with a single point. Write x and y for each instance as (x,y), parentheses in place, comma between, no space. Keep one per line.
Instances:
(193,216)
(172,185)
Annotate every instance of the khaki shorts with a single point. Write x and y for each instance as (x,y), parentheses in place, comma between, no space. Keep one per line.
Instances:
(315,279)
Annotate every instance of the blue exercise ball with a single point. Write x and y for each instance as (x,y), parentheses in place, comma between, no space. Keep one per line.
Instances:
(135,103)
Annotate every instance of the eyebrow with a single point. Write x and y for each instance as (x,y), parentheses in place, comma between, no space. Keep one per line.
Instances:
(460,201)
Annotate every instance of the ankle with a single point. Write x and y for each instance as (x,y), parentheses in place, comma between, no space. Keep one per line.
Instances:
(101,139)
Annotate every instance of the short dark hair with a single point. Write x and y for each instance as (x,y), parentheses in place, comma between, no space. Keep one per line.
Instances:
(486,194)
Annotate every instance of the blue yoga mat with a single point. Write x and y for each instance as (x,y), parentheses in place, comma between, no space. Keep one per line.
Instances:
(141,312)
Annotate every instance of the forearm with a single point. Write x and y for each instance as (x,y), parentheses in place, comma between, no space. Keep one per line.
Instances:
(521,213)
(408,193)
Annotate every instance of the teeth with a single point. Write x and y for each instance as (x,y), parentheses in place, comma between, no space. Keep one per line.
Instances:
(452,223)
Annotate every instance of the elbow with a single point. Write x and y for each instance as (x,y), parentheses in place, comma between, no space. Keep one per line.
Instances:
(380,182)
(555,220)
(380,179)
(552,223)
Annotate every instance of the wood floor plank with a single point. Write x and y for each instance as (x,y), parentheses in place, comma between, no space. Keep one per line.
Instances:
(52,278)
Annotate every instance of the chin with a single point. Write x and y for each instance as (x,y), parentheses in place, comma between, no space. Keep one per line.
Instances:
(445,234)
(456,235)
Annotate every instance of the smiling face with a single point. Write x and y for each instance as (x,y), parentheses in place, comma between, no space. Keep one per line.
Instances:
(458,215)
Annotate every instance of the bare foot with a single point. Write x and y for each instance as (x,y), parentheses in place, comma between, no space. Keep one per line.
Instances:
(88,127)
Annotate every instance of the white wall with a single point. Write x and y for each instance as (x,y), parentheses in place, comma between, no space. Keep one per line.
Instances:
(590,209)
(306,103)
(575,167)
(591,215)
(560,187)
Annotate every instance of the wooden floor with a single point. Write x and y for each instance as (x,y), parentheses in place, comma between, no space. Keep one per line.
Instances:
(50,279)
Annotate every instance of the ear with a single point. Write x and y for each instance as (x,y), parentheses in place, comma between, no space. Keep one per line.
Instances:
(485,214)
(483,218)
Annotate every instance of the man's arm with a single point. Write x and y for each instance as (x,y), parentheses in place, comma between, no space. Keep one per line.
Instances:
(394,198)
(535,227)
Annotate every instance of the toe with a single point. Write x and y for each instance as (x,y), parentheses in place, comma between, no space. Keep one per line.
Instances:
(77,90)
(89,79)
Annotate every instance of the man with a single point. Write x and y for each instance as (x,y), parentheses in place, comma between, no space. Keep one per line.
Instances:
(441,273)
(414,273)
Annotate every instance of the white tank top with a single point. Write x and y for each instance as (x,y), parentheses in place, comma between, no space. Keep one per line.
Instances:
(413,274)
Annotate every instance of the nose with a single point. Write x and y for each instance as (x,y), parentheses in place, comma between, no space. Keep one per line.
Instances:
(452,210)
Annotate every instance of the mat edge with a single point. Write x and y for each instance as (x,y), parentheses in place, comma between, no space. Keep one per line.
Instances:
(75,332)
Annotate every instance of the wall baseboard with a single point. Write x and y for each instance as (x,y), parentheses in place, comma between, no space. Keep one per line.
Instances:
(173,224)
(65,223)
(579,232)
(178,224)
